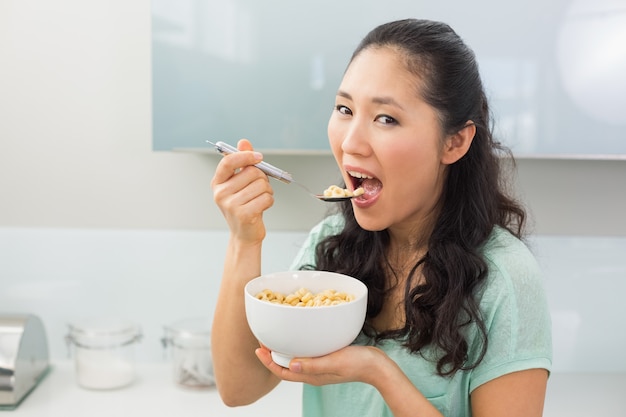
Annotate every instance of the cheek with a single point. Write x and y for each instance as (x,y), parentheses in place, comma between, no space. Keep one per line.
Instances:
(334,136)
(410,167)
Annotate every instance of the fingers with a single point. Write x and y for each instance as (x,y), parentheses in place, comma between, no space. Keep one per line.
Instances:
(244,145)
(295,372)
(265,356)
(243,192)
(237,182)
(243,202)
(344,365)
(234,163)
(235,186)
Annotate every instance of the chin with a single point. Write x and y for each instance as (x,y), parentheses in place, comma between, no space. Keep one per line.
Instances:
(370,223)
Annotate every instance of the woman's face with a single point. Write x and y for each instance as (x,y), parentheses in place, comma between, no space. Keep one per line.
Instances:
(386,139)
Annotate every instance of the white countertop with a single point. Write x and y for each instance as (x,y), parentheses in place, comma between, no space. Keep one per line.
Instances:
(154,394)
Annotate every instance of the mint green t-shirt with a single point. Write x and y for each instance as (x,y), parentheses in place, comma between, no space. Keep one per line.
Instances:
(515,310)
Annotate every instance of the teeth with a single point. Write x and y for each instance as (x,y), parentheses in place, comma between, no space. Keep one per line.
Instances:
(356,174)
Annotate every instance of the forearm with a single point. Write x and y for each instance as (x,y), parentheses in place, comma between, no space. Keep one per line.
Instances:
(241,378)
(399,393)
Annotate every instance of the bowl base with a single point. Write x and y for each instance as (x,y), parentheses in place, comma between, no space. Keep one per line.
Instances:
(281,359)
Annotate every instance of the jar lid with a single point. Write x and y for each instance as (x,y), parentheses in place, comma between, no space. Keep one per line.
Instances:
(190,332)
(103,332)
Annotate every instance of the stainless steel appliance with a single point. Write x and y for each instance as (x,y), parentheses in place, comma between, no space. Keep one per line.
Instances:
(24,357)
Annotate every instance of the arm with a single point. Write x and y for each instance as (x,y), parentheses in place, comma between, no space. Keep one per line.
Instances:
(347,365)
(401,396)
(518,394)
(242,193)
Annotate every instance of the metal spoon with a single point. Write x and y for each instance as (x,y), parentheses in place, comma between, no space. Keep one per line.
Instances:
(277,173)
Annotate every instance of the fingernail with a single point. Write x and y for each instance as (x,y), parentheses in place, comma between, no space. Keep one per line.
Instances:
(258,156)
(295,367)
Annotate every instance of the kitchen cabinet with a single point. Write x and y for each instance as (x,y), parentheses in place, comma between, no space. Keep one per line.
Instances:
(269,71)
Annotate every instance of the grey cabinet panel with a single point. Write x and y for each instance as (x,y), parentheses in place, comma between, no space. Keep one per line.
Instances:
(268,70)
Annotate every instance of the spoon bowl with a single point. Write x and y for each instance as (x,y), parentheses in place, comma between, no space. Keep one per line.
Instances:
(335,193)
(333,199)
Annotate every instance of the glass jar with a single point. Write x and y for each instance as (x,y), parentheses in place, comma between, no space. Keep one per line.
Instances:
(104,352)
(189,341)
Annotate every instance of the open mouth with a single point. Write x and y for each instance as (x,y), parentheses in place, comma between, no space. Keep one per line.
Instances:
(372,186)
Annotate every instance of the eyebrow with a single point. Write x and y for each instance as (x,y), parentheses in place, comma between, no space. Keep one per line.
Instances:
(377,100)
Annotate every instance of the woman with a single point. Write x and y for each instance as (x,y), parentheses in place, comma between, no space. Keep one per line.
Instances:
(457,321)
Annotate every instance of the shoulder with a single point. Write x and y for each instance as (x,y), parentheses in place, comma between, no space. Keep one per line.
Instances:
(329,226)
(510,261)
(505,250)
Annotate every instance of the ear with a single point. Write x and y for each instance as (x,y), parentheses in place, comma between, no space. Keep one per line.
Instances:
(457,144)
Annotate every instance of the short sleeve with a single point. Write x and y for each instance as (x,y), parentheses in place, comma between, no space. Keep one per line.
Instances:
(331,225)
(516,313)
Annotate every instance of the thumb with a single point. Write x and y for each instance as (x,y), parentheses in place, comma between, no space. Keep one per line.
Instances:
(244,145)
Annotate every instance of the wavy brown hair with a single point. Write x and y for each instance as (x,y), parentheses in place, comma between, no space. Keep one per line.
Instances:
(440,303)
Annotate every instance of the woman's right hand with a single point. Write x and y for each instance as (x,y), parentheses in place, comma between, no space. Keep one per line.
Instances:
(243,193)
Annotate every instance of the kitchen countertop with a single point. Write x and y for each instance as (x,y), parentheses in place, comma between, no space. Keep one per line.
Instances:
(154,394)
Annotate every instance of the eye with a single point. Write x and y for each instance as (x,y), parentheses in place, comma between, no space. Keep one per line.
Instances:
(340,108)
(386,120)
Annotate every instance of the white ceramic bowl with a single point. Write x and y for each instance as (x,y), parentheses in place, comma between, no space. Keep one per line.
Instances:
(290,331)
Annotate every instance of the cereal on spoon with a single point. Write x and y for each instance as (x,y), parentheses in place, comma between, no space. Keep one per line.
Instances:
(335,191)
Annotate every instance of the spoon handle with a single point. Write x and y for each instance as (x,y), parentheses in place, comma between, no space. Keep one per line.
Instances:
(270,170)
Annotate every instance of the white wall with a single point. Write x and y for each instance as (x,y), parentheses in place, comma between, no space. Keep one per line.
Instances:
(75,128)
(75,138)
(151,277)
(87,208)
(156,277)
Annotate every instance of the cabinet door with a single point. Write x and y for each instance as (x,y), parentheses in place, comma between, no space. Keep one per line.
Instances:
(225,70)
(268,70)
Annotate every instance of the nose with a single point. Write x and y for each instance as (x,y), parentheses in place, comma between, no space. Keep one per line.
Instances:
(355,140)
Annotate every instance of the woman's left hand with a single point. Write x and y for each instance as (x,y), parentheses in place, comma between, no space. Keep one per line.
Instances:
(365,364)
(344,365)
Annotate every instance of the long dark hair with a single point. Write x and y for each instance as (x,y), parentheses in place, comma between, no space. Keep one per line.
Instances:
(441,306)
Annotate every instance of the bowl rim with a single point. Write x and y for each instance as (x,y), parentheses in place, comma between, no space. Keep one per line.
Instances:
(357,281)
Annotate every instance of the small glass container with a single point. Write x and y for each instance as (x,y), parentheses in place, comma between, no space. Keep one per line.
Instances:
(189,341)
(104,354)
